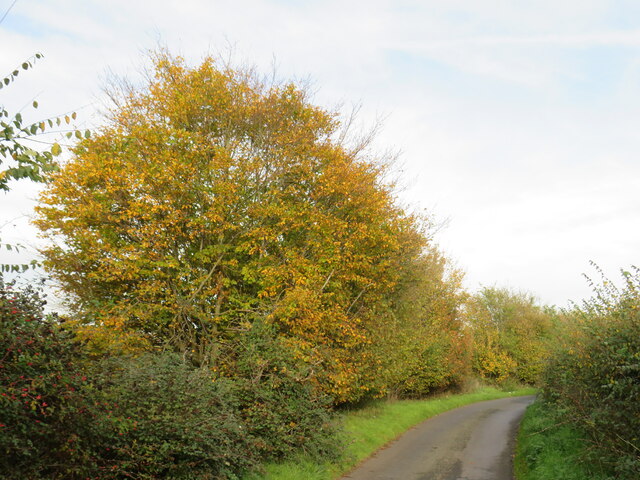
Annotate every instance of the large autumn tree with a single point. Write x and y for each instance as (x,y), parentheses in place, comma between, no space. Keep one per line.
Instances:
(212,199)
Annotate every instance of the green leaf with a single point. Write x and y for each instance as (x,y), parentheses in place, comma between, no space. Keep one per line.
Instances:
(87,134)
(25,66)
(78,135)
(56,149)
(74,115)
(35,104)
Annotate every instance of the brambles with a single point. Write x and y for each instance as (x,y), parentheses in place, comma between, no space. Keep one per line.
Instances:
(16,135)
(21,155)
(156,417)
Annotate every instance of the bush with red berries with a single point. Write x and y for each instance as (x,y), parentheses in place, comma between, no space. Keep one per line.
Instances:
(43,414)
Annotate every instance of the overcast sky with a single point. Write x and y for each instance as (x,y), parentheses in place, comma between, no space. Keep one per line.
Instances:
(518,122)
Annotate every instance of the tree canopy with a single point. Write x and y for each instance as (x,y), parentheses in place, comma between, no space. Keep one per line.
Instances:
(214,198)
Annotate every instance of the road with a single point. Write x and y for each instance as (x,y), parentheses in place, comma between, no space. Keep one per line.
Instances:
(475,442)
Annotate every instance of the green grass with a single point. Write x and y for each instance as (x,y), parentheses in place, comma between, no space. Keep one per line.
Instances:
(550,450)
(371,427)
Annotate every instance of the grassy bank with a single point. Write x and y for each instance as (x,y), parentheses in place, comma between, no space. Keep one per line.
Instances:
(549,450)
(367,429)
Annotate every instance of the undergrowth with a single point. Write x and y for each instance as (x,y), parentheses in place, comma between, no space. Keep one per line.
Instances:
(549,448)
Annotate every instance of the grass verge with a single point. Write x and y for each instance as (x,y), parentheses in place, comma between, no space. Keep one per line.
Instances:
(550,450)
(371,427)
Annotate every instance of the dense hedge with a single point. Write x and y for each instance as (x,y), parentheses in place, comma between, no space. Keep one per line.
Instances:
(156,417)
(42,409)
(279,405)
(64,415)
(595,377)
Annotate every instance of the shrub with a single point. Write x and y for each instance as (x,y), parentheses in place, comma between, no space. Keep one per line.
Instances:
(596,377)
(64,415)
(43,415)
(157,417)
(281,408)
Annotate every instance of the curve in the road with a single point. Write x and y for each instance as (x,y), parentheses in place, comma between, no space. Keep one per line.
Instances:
(475,442)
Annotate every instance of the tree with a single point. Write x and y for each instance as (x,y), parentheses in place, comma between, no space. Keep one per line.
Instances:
(213,198)
(426,345)
(511,335)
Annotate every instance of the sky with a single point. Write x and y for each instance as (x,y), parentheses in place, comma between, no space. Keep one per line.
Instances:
(516,122)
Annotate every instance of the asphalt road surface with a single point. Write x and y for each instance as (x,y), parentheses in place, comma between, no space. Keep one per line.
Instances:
(475,442)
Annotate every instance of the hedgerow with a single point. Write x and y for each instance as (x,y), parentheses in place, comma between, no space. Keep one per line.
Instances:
(43,414)
(595,377)
(157,417)
(65,414)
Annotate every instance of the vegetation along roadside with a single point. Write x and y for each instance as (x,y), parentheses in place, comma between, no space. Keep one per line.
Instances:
(242,288)
(366,429)
(587,423)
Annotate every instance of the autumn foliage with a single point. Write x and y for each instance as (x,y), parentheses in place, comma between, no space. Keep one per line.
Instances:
(511,335)
(214,199)
(236,264)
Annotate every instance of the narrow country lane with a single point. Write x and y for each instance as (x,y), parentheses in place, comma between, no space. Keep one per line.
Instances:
(474,442)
